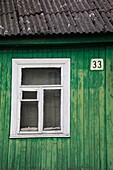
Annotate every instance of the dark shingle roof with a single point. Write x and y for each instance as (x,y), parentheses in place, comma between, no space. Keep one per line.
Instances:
(55,16)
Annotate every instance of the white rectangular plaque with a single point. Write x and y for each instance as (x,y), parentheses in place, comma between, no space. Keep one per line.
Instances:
(97,64)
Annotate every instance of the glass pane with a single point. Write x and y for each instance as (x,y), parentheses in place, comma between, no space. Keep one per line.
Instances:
(29,115)
(52,109)
(29,95)
(41,76)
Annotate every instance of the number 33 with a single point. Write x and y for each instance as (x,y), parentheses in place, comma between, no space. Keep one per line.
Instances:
(97,64)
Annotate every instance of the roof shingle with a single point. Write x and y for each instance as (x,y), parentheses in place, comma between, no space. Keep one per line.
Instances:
(55,16)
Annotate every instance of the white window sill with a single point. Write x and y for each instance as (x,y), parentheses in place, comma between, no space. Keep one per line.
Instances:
(42,135)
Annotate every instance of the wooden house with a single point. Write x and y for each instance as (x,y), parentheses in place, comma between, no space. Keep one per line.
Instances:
(56,85)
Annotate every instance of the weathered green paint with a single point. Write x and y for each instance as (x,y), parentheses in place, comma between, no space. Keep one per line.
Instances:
(90,146)
(109,105)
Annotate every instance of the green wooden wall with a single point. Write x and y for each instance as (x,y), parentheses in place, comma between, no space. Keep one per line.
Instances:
(90,146)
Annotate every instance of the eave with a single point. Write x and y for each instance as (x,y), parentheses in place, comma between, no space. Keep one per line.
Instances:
(56,39)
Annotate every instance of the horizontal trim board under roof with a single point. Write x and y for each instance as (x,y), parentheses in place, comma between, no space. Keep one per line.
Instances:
(46,40)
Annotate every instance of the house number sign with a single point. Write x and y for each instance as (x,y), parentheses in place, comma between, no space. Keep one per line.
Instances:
(97,64)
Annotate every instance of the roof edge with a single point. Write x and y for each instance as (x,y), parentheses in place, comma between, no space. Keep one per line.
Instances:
(55,39)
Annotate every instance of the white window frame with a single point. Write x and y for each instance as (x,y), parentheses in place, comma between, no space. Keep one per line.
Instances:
(17,65)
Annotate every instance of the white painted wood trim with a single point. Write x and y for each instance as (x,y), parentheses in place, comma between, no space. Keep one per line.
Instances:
(58,135)
(41,62)
(17,64)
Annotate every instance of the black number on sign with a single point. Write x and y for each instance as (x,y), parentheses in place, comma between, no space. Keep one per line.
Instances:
(99,64)
(94,64)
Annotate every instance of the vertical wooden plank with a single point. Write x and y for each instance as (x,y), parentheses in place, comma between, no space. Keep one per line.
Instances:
(109,105)
(59,154)
(7,108)
(80,117)
(91,119)
(86,62)
(44,153)
(38,154)
(74,112)
(4,111)
(17,154)
(1,119)
(22,153)
(102,110)
(28,154)
(49,154)
(63,154)
(11,154)
(69,154)
(54,154)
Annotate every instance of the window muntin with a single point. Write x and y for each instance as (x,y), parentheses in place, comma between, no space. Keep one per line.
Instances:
(33,116)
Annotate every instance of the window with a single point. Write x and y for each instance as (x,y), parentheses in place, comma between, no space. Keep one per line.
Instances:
(40,98)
